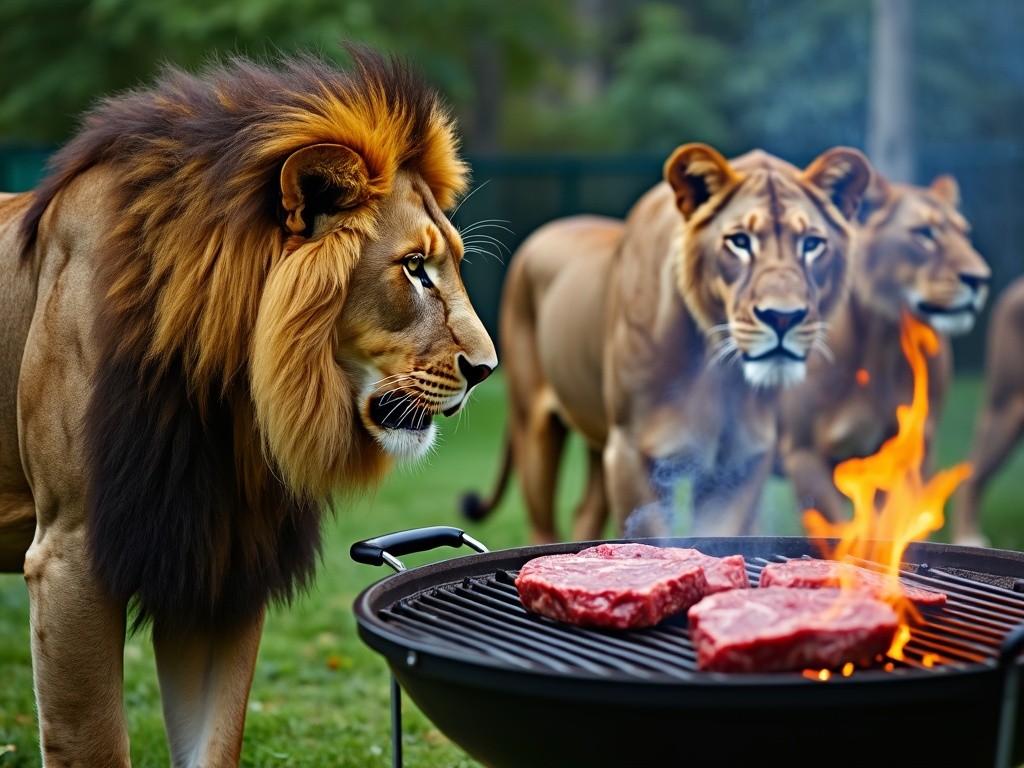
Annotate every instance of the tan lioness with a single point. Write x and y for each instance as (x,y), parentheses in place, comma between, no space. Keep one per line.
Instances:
(235,295)
(1000,423)
(913,254)
(665,340)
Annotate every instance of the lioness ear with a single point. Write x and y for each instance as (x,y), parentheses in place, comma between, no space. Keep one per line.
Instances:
(843,174)
(697,172)
(877,194)
(946,189)
(319,179)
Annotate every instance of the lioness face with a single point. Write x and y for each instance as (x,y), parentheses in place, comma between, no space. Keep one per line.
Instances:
(918,255)
(413,345)
(764,253)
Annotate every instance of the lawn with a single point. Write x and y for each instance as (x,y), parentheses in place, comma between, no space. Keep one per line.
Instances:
(320,697)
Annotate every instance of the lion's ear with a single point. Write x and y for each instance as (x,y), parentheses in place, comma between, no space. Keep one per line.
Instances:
(843,173)
(322,178)
(946,189)
(697,172)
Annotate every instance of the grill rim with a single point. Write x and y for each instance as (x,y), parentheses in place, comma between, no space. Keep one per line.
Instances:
(439,662)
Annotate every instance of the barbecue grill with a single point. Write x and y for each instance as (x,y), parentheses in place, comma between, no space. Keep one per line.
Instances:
(518,690)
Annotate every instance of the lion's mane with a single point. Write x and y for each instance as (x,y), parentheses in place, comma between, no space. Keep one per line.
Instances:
(220,422)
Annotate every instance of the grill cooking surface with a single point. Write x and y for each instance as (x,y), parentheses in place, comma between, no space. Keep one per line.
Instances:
(481,619)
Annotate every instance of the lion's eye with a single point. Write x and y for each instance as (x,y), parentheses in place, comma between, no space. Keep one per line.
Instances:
(415,267)
(812,247)
(740,244)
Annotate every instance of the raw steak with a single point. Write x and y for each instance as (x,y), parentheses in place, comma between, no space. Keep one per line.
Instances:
(786,628)
(621,593)
(825,573)
(722,573)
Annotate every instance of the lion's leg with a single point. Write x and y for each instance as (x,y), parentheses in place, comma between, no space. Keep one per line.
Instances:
(538,450)
(999,428)
(77,653)
(204,686)
(630,490)
(17,527)
(592,512)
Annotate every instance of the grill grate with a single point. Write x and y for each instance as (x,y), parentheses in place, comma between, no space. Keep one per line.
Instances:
(482,619)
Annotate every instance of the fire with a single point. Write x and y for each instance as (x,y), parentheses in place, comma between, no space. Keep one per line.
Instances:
(892,504)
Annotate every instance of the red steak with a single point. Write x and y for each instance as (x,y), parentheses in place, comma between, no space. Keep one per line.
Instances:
(825,573)
(621,593)
(784,628)
(722,573)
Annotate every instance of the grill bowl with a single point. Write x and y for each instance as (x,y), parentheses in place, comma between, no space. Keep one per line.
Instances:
(516,690)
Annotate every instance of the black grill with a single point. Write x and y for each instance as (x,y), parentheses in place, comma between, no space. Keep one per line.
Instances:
(482,618)
(519,690)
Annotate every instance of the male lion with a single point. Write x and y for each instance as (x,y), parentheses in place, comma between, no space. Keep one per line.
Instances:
(233,295)
(1000,422)
(665,340)
(913,254)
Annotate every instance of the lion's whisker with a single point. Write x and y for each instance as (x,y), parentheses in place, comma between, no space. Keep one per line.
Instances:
(478,237)
(463,200)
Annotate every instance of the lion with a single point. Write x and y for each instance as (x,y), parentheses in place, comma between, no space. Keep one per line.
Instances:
(913,254)
(664,340)
(235,294)
(1000,422)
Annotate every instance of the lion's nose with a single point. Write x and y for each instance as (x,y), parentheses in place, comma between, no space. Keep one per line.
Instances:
(474,373)
(780,321)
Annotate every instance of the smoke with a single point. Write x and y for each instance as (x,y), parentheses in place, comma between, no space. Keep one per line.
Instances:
(680,481)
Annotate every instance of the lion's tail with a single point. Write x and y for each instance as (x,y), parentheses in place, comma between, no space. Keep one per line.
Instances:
(476,508)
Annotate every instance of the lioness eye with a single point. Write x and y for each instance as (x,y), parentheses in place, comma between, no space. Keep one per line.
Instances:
(414,265)
(740,244)
(925,233)
(813,245)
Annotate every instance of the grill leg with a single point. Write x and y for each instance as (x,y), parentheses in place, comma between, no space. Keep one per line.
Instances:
(396,724)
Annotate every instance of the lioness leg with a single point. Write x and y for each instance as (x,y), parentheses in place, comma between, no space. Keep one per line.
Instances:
(77,653)
(1000,426)
(592,512)
(811,480)
(630,490)
(204,686)
(727,504)
(538,447)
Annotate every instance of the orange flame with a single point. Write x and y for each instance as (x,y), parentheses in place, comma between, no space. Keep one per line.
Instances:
(892,504)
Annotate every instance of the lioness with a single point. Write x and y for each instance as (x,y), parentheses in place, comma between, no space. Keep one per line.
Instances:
(1000,422)
(665,340)
(913,254)
(235,294)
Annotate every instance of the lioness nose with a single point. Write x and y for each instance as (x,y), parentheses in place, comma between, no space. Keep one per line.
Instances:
(975,282)
(779,321)
(474,373)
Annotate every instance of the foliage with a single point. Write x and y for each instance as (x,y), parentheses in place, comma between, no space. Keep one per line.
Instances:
(59,55)
(791,76)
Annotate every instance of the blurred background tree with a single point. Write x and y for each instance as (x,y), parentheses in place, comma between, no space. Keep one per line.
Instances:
(572,105)
(543,75)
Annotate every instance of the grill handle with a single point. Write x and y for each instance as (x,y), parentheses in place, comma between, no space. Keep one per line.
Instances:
(382,549)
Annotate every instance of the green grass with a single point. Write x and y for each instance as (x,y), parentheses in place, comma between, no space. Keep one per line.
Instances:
(320,696)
